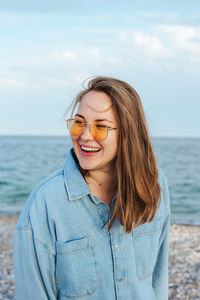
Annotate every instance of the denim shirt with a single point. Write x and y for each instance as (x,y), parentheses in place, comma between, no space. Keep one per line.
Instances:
(62,252)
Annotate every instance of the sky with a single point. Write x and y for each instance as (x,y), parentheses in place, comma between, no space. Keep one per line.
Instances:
(48,48)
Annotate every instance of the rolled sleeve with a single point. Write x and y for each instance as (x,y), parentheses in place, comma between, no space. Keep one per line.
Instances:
(34,266)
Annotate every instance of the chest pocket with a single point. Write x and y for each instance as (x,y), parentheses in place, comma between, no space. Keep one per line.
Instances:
(146,244)
(76,273)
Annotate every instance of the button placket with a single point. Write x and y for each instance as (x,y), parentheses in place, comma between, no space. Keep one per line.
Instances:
(118,263)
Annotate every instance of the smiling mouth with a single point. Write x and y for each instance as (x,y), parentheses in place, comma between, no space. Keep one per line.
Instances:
(89,149)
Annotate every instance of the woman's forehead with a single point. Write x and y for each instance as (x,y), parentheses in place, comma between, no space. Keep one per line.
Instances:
(97,102)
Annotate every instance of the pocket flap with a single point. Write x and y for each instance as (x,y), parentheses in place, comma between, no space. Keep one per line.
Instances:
(74,245)
(147,228)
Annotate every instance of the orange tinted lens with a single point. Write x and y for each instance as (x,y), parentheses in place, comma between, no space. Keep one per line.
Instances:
(98,131)
(75,127)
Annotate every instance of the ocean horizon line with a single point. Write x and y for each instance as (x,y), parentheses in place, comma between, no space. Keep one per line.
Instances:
(67,135)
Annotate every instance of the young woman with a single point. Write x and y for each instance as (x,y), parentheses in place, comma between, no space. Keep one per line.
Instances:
(98,228)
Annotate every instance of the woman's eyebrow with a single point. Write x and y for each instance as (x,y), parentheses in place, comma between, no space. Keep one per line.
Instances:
(101,120)
(98,120)
(77,115)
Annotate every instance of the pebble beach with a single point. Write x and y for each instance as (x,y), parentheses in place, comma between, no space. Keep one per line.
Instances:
(184,260)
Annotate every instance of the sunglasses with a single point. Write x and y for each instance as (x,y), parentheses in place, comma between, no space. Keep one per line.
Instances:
(97,130)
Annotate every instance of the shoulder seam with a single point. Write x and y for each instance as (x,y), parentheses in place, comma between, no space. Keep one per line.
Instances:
(38,191)
(37,239)
(53,176)
(45,184)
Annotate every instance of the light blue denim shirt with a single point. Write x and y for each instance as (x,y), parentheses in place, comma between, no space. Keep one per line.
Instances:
(62,252)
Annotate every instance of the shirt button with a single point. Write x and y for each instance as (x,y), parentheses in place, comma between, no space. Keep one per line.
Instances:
(116,246)
(103,211)
(120,278)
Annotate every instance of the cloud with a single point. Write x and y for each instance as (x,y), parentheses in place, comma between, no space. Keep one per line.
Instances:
(35,73)
(55,69)
(177,46)
(183,38)
(65,56)
(13,82)
(142,48)
(150,45)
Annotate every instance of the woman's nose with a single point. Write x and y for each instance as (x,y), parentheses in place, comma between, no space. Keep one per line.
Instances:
(86,135)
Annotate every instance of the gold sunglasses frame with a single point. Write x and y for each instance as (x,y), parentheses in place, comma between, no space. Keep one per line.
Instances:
(85,124)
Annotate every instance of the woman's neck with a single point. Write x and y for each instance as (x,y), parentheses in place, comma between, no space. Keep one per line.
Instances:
(105,180)
(102,184)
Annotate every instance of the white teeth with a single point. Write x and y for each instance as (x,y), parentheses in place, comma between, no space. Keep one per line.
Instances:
(89,149)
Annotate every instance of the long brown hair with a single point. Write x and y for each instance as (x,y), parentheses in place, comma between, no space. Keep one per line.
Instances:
(138,189)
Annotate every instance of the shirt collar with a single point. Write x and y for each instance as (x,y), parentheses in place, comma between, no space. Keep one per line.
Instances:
(74,181)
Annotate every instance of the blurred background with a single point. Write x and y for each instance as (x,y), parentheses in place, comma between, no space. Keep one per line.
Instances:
(47,50)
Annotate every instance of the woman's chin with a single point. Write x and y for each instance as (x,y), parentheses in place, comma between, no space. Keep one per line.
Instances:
(87,167)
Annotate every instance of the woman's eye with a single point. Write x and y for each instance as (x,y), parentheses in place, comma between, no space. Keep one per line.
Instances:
(101,126)
(77,122)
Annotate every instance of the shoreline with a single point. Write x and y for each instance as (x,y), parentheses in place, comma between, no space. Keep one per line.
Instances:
(173,221)
(184,259)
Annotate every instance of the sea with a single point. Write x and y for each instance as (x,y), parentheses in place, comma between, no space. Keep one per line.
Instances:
(26,160)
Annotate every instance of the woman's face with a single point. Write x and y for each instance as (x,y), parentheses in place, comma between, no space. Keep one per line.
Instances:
(96,105)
